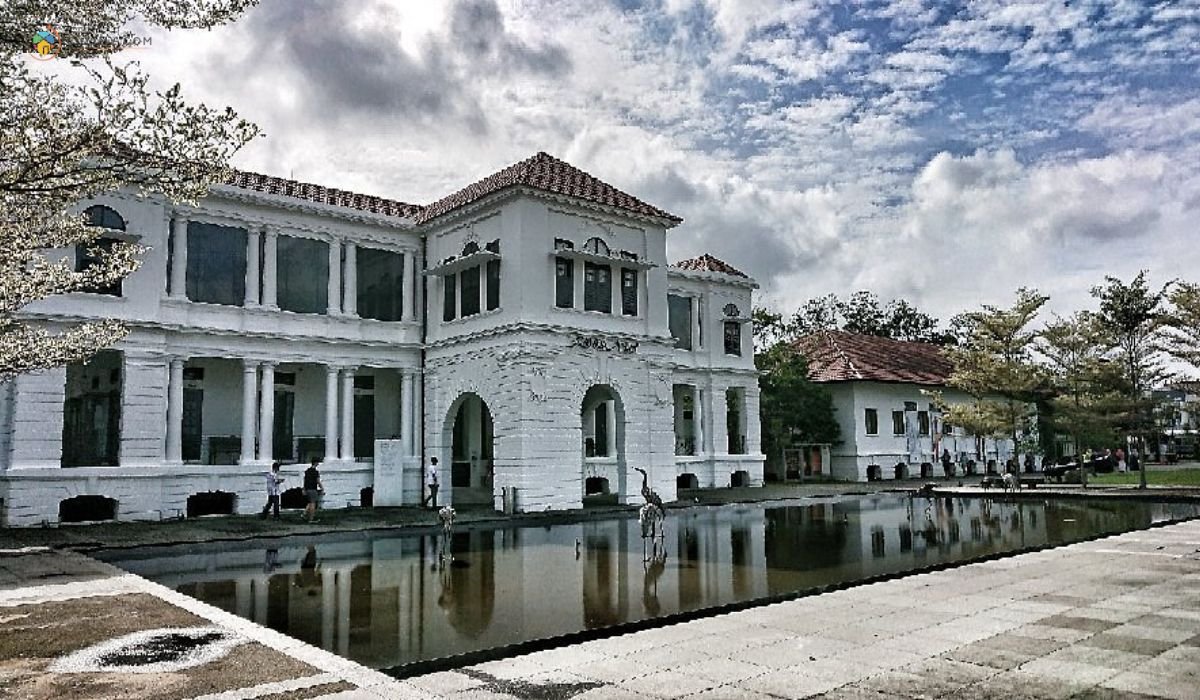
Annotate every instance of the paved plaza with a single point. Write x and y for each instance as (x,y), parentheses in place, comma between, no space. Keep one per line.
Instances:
(1112,618)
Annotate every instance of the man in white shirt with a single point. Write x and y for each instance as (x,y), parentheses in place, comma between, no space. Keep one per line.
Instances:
(274,479)
(431,481)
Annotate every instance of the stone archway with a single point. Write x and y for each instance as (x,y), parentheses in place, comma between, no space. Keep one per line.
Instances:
(602,422)
(471,440)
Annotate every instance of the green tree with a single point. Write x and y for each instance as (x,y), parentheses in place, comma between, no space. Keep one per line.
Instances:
(88,126)
(767,328)
(1083,382)
(1132,316)
(793,408)
(995,368)
(1181,334)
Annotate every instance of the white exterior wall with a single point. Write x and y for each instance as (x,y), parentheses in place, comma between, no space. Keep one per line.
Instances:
(858,451)
(530,362)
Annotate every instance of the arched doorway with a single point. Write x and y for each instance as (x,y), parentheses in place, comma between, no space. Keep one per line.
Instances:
(602,417)
(471,450)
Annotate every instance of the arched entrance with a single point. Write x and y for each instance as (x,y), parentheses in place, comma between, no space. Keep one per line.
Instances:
(602,417)
(471,450)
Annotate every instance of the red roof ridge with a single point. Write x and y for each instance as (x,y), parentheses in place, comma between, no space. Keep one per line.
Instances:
(286,187)
(544,172)
(709,263)
(839,356)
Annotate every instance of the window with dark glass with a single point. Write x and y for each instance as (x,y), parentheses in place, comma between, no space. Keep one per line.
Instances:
(923,422)
(679,320)
(380,284)
(449,291)
(216,264)
(871,417)
(106,218)
(493,284)
(564,283)
(470,291)
(597,288)
(629,292)
(897,422)
(733,338)
(302,279)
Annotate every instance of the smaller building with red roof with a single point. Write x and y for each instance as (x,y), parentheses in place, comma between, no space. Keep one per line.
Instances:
(881,395)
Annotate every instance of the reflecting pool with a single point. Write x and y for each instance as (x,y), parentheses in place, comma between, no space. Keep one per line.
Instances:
(386,600)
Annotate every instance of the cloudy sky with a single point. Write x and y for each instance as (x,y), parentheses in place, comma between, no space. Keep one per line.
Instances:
(943,153)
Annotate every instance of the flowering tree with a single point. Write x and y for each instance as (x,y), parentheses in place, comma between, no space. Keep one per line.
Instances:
(76,125)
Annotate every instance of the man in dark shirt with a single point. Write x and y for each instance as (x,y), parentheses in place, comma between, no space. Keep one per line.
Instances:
(312,490)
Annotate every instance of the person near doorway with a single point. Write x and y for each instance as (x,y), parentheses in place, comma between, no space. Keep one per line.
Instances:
(313,488)
(947,464)
(274,479)
(431,482)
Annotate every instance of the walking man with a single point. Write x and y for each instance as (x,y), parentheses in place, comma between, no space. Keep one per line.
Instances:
(274,479)
(313,488)
(431,481)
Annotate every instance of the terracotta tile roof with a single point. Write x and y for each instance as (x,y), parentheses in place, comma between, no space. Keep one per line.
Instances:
(707,263)
(837,356)
(547,173)
(269,184)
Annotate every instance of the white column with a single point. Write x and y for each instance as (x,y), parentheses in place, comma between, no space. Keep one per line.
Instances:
(253,267)
(350,299)
(270,267)
(178,287)
(335,277)
(347,451)
(418,414)
(578,283)
(698,419)
(249,408)
(175,411)
(407,422)
(331,412)
(266,413)
(610,413)
(410,285)
(614,278)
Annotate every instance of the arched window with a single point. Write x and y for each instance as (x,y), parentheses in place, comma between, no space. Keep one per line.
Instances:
(102,217)
(731,310)
(597,246)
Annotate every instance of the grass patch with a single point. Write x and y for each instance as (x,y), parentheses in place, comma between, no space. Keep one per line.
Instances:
(1173,477)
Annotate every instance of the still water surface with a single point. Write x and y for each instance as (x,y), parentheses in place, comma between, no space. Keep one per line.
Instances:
(387,600)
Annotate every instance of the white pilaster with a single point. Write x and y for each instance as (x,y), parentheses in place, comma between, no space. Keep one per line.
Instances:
(178,287)
(614,279)
(347,451)
(175,411)
(266,413)
(578,280)
(270,266)
(253,267)
(335,277)
(331,412)
(698,419)
(249,408)
(407,419)
(410,286)
(350,298)
(418,414)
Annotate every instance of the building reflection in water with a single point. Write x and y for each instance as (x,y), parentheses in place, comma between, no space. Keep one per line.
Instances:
(387,601)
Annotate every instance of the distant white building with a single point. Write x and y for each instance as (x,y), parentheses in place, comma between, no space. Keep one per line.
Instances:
(890,428)
(527,330)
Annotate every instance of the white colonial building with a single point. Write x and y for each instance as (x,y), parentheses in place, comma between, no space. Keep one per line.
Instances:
(526,330)
(890,427)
